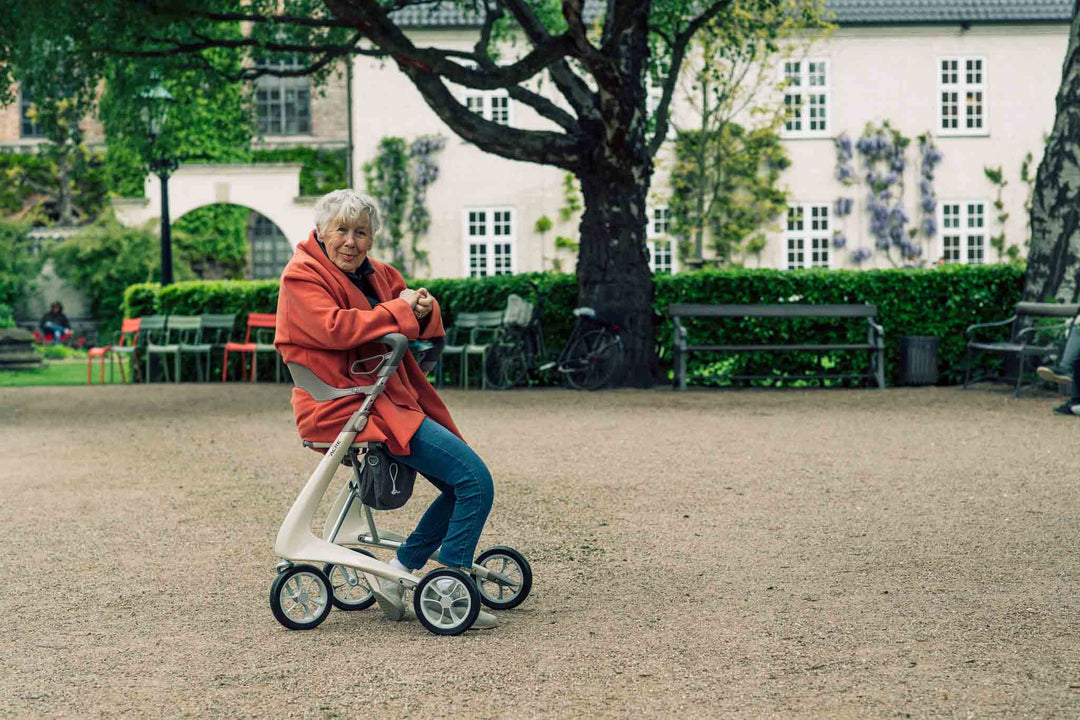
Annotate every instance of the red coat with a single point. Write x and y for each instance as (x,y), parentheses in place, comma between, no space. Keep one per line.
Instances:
(325,323)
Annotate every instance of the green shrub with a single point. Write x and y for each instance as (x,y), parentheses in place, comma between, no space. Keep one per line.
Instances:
(60,352)
(201,297)
(20,263)
(940,302)
(7,316)
(106,258)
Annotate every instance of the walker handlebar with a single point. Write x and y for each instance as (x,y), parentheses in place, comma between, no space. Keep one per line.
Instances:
(398,345)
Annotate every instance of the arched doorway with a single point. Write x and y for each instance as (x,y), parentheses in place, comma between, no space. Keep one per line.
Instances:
(225,241)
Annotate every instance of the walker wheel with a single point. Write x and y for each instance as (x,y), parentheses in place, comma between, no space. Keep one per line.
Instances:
(351,590)
(446,602)
(510,563)
(300,597)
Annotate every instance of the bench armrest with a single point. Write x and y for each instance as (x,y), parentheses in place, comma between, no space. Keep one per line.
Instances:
(971,328)
(1041,328)
(879,331)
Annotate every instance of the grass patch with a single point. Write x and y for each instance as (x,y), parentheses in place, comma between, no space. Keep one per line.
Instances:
(58,373)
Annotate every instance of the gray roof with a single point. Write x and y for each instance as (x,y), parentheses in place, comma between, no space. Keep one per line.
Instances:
(447,14)
(848,12)
(863,12)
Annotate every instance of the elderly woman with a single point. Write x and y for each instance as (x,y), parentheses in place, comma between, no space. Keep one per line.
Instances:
(335,300)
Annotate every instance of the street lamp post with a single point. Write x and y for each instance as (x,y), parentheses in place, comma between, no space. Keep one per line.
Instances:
(155,112)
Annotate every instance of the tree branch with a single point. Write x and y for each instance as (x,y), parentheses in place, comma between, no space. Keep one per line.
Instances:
(536,146)
(573,88)
(598,64)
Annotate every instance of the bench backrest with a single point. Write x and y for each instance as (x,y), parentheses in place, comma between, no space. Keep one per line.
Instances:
(781,310)
(1037,309)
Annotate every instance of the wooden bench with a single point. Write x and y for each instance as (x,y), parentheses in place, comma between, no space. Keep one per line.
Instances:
(1024,339)
(874,345)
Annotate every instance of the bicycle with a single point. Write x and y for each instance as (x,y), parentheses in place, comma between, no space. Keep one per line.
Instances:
(592,357)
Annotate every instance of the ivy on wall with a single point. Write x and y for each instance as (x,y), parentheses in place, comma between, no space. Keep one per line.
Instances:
(398,177)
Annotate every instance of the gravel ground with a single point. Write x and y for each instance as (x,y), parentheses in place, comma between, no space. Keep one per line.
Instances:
(740,554)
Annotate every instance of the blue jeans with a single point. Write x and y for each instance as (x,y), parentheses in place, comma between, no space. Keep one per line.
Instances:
(456,518)
(56,329)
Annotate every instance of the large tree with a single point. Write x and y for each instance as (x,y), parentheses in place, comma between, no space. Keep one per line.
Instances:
(594,54)
(1053,270)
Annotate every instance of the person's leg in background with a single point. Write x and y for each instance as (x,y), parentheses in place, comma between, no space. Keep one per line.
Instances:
(1072,405)
(1061,372)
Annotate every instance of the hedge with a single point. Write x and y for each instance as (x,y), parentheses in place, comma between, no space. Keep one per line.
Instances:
(938,302)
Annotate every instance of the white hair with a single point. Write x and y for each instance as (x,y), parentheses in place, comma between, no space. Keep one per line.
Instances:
(346,206)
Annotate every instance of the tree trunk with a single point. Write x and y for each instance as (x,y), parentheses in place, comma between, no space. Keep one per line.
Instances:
(1053,269)
(613,271)
(63,183)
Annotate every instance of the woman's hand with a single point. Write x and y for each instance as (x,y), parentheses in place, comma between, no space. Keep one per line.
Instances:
(424,303)
(409,296)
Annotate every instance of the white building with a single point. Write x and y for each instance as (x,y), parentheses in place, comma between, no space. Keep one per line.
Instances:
(979,77)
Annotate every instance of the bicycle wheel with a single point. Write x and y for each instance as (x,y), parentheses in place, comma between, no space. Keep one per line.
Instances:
(593,359)
(505,366)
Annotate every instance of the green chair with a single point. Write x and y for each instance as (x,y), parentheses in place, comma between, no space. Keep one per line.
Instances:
(217,331)
(151,332)
(457,337)
(183,335)
(488,326)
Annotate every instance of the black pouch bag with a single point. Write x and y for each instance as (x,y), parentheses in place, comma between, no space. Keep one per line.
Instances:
(385,483)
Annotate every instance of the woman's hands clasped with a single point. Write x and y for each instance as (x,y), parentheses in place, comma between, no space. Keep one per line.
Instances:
(420,300)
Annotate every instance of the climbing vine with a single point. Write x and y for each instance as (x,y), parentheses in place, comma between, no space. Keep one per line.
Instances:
(398,177)
(424,173)
(929,157)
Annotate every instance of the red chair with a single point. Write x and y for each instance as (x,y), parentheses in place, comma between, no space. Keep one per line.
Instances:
(129,340)
(260,327)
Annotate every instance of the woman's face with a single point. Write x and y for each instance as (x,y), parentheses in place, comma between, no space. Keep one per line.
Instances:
(346,245)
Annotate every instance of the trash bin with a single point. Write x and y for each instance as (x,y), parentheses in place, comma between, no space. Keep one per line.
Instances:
(918,360)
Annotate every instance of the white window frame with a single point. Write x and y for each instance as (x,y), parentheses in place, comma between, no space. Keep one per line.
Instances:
(965,84)
(488,101)
(806,87)
(808,240)
(655,234)
(490,239)
(969,227)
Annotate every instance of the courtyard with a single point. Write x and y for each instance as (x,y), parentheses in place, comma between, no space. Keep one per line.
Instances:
(738,554)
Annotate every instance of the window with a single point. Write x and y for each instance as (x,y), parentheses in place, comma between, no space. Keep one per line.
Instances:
(806,98)
(661,247)
(962,93)
(493,105)
(282,104)
(489,241)
(807,237)
(270,250)
(963,232)
(27,127)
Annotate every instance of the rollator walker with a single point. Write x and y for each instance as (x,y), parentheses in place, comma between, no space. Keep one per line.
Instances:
(335,570)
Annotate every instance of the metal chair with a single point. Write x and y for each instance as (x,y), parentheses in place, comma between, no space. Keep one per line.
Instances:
(259,338)
(122,350)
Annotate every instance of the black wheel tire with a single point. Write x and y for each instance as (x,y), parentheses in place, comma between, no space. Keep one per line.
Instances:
(340,603)
(280,586)
(426,591)
(526,577)
(505,366)
(593,359)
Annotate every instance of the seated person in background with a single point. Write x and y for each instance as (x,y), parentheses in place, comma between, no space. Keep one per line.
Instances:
(1066,371)
(54,322)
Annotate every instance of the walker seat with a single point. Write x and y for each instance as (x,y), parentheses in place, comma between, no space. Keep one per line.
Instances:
(336,570)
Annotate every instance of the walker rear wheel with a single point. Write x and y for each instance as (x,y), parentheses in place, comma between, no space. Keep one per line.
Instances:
(351,591)
(511,564)
(446,602)
(300,597)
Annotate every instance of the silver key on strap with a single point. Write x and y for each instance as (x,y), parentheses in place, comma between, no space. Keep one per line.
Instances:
(310,383)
